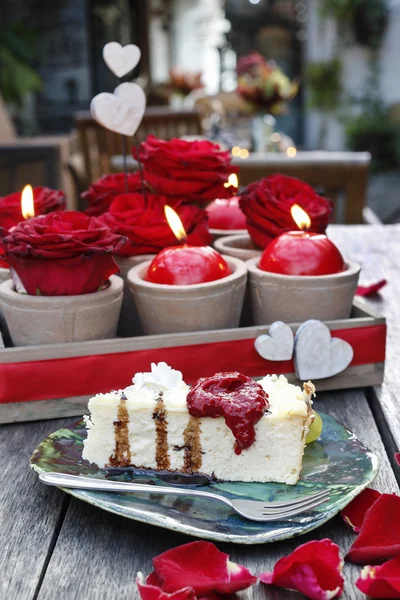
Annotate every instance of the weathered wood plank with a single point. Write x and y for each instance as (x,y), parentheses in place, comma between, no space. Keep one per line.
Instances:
(377,248)
(29,513)
(350,408)
(97,554)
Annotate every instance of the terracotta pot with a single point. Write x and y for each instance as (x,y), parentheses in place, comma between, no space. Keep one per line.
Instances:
(182,308)
(34,320)
(4,274)
(291,298)
(218,233)
(129,324)
(239,246)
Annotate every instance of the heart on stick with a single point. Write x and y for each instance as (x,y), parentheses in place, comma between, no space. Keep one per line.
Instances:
(121,59)
(121,111)
(317,355)
(277,344)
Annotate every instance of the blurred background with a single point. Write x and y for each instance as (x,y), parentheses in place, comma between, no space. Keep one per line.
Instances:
(266,76)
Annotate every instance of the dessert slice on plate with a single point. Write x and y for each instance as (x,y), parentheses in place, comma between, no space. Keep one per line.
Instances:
(228,426)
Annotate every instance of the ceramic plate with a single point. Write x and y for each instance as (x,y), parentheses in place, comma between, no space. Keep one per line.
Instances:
(337,460)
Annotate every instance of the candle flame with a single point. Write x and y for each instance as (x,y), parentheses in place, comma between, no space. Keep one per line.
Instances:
(232,181)
(27,205)
(175,223)
(300,217)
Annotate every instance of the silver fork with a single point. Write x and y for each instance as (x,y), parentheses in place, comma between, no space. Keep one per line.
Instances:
(250,509)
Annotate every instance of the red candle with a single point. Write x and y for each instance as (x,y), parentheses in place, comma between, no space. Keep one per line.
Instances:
(226,214)
(185,265)
(302,252)
(27,210)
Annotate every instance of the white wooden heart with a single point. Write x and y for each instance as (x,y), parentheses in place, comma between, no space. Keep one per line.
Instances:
(318,355)
(121,59)
(277,344)
(121,111)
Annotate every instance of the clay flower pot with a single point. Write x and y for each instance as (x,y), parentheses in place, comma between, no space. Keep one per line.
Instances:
(34,320)
(238,245)
(129,324)
(293,298)
(4,274)
(181,308)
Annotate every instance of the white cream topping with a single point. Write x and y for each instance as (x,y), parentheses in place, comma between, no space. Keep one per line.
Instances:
(285,398)
(161,378)
(147,387)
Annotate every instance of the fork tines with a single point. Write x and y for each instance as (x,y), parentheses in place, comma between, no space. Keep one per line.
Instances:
(294,507)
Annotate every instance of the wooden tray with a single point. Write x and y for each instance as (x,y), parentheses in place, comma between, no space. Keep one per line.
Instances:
(115,361)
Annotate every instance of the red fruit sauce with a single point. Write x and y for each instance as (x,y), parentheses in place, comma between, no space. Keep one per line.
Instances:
(240,400)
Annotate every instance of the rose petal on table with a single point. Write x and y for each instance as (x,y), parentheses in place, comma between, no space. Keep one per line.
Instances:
(369,290)
(354,512)
(153,592)
(314,569)
(379,537)
(397,457)
(381,582)
(201,566)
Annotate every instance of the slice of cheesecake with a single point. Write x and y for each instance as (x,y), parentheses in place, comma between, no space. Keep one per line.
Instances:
(227,426)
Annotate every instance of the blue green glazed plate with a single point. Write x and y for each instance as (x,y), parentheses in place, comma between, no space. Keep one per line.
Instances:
(337,461)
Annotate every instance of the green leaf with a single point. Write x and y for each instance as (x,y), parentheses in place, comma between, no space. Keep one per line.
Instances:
(324,83)
(18,78)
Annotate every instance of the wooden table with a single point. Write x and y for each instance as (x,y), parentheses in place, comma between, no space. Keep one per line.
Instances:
(54,546)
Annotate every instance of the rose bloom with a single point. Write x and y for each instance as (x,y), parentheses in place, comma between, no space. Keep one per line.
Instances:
(195,170)
(61,254)
(103,191)
(45,201)
(246,64)
(267,203)
(142,221)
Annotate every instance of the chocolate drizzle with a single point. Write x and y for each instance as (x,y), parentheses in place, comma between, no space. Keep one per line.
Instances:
(161,423)
(122,453)
(191,436)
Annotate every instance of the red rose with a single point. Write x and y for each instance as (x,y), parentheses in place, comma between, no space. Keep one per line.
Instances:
(61,254)
(143,223)
(195,171)
(267,203)
(45,201)
(246,64)
(102,192)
